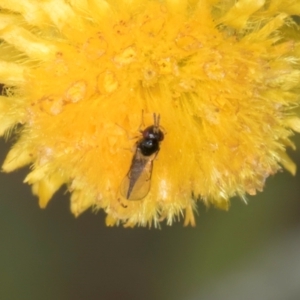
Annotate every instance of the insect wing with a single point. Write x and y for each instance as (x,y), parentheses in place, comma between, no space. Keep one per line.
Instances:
(136,184)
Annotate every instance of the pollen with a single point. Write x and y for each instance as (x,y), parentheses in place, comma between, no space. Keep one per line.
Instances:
(83,80)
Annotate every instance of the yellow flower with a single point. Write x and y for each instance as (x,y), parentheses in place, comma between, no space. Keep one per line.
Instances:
(224,76)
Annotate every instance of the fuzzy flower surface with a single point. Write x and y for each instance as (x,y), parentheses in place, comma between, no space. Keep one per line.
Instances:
(84,78)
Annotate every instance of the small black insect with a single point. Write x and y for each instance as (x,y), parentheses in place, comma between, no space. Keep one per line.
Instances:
(136,184)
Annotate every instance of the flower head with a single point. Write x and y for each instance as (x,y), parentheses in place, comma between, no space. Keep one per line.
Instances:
(83,78)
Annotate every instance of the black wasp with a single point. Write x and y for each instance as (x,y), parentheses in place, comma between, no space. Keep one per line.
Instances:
(136,184)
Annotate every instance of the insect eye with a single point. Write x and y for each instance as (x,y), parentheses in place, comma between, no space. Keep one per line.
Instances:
(148,133)
(160,136)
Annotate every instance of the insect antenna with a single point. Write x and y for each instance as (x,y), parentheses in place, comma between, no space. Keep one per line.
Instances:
(156,119)
(142,125)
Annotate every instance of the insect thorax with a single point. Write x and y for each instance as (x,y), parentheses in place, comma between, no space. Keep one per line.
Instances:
(148,146)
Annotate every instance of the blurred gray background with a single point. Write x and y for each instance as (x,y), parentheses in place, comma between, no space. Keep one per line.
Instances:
(250,252)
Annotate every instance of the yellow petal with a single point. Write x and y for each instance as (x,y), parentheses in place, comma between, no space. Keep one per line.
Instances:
(288,164)
(16,158)
(11,74)
(239,14)
(80,201)
(294,123)
(27,42)
(45,188)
